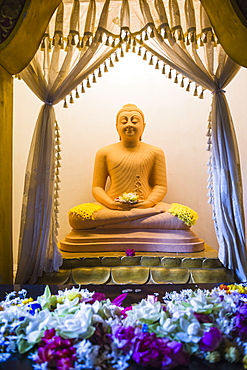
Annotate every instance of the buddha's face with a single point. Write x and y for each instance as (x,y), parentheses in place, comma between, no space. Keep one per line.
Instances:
(130,125)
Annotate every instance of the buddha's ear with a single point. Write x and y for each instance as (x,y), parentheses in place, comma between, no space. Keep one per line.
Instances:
(144,125)
(118,132)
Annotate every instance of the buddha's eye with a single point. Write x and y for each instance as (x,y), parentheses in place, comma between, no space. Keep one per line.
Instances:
(134,119)
(123,120)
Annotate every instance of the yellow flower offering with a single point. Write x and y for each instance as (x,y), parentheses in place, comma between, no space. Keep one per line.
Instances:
(184,213)
(86,210)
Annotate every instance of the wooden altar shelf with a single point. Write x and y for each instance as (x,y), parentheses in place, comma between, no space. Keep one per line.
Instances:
(115,268)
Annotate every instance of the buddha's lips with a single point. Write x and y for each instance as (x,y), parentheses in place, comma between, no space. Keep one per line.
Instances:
(129,130)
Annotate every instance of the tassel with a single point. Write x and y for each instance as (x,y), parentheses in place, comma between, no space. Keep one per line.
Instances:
(187,41)
(111,63)
(208,132)
(192,39)
(126,37)
(152,33)
(77,94)
(60,41)
(88,42)
(188,86)
(165,34)
(100,39)
(140,51)
(82,44)
(195,92)
(71,100)
(57,177)
(88,83)
(205,38)
(201,43)
(94,78)
(105,68)
(58,164)
(134,42)
(151,61)
(176,79)
(145,56)
(107,43)
(209,141)
(182,82)
(127,48)
(113,43)
(133,49)
(141,41)
(58,142)
(170,74)
(116,58)
(73,40)
(164,69)
(58,148)
(201,96)
(58,156)
(82,88)
(65,105)
(180,37)
(99,73)
(157,65)
(146,36)
(43,45)
(121,53)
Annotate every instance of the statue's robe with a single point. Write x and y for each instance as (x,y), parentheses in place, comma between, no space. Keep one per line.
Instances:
(142,171)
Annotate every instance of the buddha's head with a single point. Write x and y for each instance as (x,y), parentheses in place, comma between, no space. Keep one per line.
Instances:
(130,122)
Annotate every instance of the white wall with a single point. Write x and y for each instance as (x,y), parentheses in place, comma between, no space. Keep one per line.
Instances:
(176,122)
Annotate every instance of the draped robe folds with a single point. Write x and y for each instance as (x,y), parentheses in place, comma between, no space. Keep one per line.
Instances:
(143,171)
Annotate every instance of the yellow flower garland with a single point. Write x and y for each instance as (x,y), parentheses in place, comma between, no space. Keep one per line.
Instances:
(184,213)
(85,211)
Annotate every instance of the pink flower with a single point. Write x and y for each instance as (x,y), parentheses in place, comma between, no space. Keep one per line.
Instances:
(130,252)
(119,299)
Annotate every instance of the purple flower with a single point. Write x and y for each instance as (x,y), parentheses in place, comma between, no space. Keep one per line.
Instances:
(148,350)
(210,340)
(241,322)
(124,335)
(202,317)
(130,252)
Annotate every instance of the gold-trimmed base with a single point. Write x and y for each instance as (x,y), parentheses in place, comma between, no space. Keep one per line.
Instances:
(115,268)
(106,240)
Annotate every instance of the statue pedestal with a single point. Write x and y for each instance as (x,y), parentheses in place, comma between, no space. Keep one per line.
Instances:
(102,239)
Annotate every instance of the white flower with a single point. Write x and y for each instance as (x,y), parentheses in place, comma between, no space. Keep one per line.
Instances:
(145,312)
(77,325)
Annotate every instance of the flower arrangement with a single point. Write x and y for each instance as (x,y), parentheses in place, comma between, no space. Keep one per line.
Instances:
(184,213)
(128,198)
(86,210)
(78,329)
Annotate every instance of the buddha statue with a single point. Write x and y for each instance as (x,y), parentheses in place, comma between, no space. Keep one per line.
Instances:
(132,166)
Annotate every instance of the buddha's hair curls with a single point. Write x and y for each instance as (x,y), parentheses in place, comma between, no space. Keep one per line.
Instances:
(130,108)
